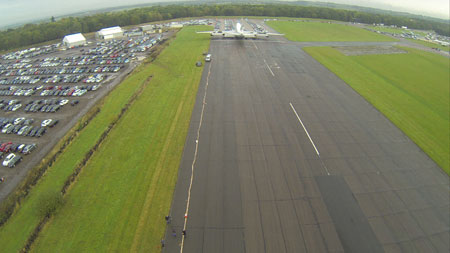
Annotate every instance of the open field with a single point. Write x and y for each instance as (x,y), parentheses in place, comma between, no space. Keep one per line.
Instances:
(430,45)
(321,31)
(118,206)
(416,101)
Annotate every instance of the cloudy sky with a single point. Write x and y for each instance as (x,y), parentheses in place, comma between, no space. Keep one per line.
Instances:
(21,11)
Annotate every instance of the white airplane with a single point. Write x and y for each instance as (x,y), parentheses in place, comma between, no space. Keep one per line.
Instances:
(239,33)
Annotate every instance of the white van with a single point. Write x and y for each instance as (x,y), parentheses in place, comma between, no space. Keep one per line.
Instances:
(208,58)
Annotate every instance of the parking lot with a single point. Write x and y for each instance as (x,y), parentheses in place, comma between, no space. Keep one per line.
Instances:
(44,91)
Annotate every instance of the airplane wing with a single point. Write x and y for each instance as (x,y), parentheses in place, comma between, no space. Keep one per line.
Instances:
(273,34)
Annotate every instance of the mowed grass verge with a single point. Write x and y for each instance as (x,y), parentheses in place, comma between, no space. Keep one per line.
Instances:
(120,198)
(411,89)
(322,31)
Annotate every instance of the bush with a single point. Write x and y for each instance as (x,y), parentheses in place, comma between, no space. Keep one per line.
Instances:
(49,202)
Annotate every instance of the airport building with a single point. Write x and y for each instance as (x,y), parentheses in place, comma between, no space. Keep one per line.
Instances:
(146,28)
(74,40)
(110,33)
(176,25)
(150,29)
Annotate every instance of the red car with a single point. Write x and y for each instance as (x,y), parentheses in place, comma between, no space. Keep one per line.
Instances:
(3,146)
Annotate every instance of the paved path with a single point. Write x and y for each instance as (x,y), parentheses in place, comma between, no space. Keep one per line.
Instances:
(291,159)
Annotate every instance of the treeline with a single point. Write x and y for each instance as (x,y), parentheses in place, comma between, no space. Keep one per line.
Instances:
(37,33)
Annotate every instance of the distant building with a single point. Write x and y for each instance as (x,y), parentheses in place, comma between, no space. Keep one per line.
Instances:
(135,32)
(146,28)
(110,33)
(176,25)
(150,28)
(74,40)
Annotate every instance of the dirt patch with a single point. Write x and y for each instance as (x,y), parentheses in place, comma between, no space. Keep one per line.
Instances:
(363,50)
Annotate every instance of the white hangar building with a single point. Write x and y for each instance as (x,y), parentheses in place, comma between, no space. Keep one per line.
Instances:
(110,33)
(74,40)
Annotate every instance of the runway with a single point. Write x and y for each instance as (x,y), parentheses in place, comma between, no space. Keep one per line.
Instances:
(288,158)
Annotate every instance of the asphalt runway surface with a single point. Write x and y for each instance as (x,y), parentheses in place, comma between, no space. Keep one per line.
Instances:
(289,158)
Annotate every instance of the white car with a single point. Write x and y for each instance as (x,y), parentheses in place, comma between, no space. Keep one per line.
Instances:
(8,159)
(21,130)
(16,107)
(46,122)
(63,102)
(18,120)
(208,58)
(5,128)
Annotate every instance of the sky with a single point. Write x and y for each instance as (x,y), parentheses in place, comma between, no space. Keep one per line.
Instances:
(22,11)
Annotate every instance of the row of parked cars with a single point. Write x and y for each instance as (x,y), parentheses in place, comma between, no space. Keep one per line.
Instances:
(24,127)
(9,147)
(12,159)
(30,52)
(54,90)
(72,91)
(51,105)
(20,80)
(108,49)
(143,44)
(30,73)
(76,78)
(30,131)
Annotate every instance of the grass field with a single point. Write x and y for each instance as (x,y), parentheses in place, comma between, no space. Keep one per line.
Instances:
(120,199)
(322,31)
(411,89)
(430,45)
(15,232)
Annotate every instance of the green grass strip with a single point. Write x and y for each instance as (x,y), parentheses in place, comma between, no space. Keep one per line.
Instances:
(411,89)
(324,31)
(120,198)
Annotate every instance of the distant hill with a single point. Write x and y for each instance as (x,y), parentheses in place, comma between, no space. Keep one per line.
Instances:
(366,9)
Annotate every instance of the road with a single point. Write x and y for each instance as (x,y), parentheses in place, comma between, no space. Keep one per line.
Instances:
(288,158)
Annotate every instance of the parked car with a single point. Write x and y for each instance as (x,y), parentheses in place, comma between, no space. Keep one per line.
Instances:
(53,123)
(28,149)
(21,147)
(14,161)
(41,132)
(11,160)
(46,122)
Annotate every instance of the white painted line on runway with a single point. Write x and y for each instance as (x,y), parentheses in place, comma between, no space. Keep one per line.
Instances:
(298,117)
(310,139)
(269,67)
(186,213)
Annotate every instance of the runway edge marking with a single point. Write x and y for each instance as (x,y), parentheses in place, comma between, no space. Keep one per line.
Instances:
(195,158)
(310,139)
